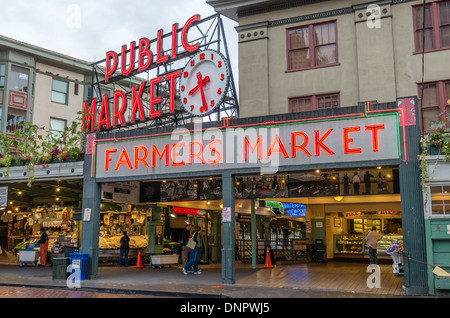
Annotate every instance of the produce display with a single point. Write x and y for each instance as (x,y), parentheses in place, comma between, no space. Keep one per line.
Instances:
(113,242)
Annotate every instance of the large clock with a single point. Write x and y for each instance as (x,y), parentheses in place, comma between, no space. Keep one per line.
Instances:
(204,82)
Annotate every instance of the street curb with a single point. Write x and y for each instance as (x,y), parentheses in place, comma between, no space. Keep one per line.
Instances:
(159,293)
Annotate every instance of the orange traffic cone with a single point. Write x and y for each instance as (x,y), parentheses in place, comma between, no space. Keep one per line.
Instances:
(139,261)
(268,260)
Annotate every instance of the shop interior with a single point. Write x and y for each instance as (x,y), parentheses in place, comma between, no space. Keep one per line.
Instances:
(333,208)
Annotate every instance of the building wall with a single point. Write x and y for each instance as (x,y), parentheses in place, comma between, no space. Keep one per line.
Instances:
(44,108)
(375,64)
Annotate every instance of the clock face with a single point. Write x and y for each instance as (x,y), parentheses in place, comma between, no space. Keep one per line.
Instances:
(204,82)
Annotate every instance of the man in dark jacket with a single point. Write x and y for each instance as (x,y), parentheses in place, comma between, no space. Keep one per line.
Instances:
(185,239)
(124,248)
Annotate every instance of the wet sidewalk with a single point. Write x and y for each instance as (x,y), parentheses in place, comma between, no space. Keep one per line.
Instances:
(311,280)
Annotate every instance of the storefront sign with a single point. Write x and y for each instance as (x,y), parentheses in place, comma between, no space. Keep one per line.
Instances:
(181,210)
(265,147)
(121,191)
(137,58)
(373,214)
(87,215)
(294,209)
(3,196)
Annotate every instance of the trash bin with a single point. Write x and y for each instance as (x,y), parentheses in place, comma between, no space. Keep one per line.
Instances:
(60,268)
(81,261)
(319,251)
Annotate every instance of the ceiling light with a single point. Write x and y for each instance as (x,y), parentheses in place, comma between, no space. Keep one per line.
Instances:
(317,171)
(58,189)
(379,167)
(209,203)
(172,215)
(338,198)
(57,199)
(20,192)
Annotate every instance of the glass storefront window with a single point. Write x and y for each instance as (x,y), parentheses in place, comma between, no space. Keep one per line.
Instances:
(18,79)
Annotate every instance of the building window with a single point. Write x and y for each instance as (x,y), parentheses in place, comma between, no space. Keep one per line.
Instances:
(440,200)
(312,46)
(59,91)
(57,127)
(432,26)
(76,89)
(314,102)
(18,79)
(2,75)
(435,103)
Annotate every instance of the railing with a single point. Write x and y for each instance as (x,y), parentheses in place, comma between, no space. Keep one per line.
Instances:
(284,250)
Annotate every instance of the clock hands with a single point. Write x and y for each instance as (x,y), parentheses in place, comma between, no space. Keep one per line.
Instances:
(200,83)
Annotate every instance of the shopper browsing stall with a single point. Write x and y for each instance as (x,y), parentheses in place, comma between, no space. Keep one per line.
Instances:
(43,248)
(124,248)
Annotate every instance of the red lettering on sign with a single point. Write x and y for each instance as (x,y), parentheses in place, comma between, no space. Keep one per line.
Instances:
(198,154)
(184,41)
(279,148)
(144,52)
(214,151)
(156,153)
(118,115)
(159,49)
(176,154)
(136,103)
(374,129)
(348,140)
(111,56)
(246,145)
(302,147)
(103,118)
(319,142)
(154,100)
(88,116)
(124,160)
(142,159)
(107,158)
(126,71)
(171,77)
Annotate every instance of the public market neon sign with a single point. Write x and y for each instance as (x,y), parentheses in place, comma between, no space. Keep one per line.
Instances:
(126,64)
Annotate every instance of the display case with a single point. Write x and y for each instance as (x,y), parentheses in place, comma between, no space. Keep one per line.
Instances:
(354,245)
(348,244)
(384,243)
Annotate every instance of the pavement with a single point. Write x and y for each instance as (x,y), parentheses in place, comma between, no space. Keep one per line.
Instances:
(282,281)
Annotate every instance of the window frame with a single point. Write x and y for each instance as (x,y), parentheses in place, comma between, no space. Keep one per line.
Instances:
(315,100)
(3,75)
(50,130)
(435,25)
(60,92)
(441,101)
(312,46)
(429,209)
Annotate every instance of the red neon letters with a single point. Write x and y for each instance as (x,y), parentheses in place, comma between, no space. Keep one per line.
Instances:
(297,144)
(145,55)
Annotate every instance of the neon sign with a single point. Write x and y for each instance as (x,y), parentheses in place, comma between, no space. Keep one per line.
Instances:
(135,59)
(347,140)
(294,209)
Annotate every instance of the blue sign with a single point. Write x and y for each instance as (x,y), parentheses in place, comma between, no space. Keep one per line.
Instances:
(295,209)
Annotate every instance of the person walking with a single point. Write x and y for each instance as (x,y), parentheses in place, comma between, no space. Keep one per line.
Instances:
(356,180)
(185,239)
(124,249)
(192,245)
(43,247)
(372,239)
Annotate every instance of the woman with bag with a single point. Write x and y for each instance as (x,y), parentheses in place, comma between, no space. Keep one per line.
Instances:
(192,246)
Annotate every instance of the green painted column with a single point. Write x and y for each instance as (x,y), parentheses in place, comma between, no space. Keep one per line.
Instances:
(216,231)
(228,229)
(89,241)
(254,249)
